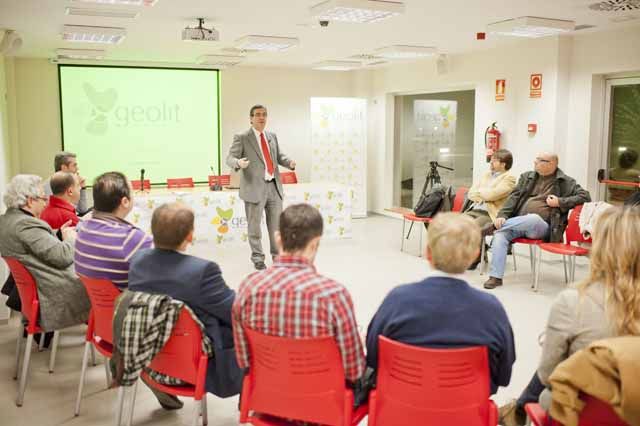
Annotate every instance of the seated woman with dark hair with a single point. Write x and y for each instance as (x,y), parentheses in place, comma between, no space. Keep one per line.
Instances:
(606,304)
(63,299)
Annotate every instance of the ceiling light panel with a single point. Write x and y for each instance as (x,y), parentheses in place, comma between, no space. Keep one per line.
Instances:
(405,52)
(336,65)
(88,34)
(220,60)
(100,12)
(357,11)
(266,43)
(80,53)
(530,26)
(121,2)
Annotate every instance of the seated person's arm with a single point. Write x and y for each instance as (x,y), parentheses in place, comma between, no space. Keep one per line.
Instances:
(507,355)
(240,341)
(557,337)
(348,338)
(578,196)
(215,297)
(507,210)
(45,246)
(499,191)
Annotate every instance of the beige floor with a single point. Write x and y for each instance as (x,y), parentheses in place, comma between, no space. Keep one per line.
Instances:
(369,265)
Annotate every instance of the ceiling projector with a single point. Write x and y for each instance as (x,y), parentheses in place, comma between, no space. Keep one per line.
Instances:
(200,33)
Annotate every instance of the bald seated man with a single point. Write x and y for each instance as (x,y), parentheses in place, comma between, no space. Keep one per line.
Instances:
(538,209)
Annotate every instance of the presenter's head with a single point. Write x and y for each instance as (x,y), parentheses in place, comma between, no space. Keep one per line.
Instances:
(112,194)
(453,242)
(172,226)
(300,231)
(66,185)
(258,117)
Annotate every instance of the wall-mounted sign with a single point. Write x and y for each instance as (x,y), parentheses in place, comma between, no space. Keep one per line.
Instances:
(501,86)
(535,86)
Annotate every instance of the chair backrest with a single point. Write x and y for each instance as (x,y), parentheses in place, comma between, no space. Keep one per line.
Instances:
(572,233)
(181,355)
(135,184)
(458,201)
(598,413)
(432,386)
(27,290)
(288,177)
(301,379)
(102,294)
(222,180)
(180,183)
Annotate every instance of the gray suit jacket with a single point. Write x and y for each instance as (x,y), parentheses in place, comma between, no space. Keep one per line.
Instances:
(252,184)
(63,299)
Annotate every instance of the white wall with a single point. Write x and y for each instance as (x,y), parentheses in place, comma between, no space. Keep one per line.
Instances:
(573,70)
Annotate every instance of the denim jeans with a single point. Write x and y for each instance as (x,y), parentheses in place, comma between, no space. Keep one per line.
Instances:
(528,226)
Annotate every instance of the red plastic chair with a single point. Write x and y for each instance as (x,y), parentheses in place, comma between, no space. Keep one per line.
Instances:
(180,183)
(594,413)
(288,177)
(567,249)
(458,203)
(222,180)
(422,386)
(181,357)
(31,313)
(135,184)
(301,379)
(102,294)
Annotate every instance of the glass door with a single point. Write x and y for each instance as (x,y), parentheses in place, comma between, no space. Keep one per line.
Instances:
(621,149)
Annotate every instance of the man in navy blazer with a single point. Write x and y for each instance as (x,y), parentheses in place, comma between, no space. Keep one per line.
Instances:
(166,269)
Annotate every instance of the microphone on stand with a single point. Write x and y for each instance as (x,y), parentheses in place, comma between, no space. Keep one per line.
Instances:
(216,185)
(142,180)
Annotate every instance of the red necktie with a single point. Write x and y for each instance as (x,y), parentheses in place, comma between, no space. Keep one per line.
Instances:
(265,152)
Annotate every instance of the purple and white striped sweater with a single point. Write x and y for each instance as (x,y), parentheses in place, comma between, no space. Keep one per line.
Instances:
(105,245)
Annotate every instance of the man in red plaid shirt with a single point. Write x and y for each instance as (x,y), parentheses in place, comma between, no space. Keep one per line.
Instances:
(290,299)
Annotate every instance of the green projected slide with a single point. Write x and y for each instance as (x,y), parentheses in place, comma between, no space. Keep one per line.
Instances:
(126,119)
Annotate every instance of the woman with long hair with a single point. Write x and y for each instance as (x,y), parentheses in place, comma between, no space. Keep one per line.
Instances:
(606,304)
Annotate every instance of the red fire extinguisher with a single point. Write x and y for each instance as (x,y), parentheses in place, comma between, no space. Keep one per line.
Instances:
(491,140)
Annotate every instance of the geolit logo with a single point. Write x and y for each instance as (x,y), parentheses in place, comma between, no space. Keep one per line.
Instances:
(105,109)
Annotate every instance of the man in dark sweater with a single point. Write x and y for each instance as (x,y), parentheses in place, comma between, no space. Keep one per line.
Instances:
(443,311)
(536,209)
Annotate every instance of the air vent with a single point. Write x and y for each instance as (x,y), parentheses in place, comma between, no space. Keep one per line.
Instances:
(584,27)
(615,5)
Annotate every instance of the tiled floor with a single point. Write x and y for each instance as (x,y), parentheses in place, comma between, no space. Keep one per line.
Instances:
(369,265)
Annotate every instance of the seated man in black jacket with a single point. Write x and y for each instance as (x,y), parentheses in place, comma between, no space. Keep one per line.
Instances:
(536,209)
(166,269)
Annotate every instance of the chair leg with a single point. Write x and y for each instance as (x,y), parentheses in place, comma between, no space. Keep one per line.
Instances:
(133,403)
(196,412)
(54,350)
(402,235)
(420,246)
(573,267)
(513,254)
(107,371)
(18,344)
(25,370)
(564,264)
(205,417)
(119,405)
(83,372)
(533,250)
(536,281)
(483,264)
(41,342)
(93,356)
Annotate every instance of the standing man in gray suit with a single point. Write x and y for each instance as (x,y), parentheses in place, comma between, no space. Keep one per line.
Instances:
(257,155)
